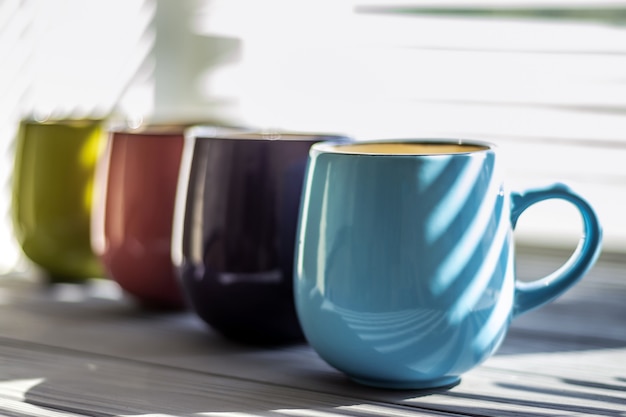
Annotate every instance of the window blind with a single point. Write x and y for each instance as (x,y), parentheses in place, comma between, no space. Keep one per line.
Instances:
(542,80)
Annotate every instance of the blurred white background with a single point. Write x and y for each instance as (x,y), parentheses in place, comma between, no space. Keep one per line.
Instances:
(546,81)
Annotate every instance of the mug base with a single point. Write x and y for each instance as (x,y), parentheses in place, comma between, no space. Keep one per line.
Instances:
(443,382)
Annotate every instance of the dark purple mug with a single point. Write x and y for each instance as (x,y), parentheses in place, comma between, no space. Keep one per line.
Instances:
(235,227)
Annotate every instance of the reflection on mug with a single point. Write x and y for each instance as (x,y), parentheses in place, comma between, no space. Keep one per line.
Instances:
(52,195)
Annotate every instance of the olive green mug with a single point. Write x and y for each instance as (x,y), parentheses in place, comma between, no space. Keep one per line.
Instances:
(52,195)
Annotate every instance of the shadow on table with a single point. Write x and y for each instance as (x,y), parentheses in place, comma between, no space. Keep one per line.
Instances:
(588,316)
(97,392)
(97,384)
(103,388)
(499,406)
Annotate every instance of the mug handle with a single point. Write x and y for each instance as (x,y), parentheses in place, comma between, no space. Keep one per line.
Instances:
(529,295)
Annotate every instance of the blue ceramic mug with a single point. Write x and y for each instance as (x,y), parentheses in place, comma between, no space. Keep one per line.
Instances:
(404,269)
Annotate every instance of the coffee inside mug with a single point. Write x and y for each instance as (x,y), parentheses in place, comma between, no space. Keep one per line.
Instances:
(407,148)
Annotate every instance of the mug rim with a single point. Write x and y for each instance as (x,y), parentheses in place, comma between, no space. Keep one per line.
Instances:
(330,147)
(71,122)
(157,128)
(210,132)
(149,130)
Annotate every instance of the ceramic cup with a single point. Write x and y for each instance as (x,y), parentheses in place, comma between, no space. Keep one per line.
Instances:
(132,229)
(404,274)
(236,218)
(52,196)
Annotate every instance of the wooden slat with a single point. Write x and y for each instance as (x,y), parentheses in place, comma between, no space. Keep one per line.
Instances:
(84,383)
(91,384)
(103,356)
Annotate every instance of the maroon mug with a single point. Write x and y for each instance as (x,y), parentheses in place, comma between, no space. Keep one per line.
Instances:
(135,191)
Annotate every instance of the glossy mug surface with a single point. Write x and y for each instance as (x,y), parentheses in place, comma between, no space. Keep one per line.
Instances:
(236,218)
(404,270)
(52,195)
(132,229)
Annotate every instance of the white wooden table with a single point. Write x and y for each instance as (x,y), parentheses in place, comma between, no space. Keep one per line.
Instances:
(67,351)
